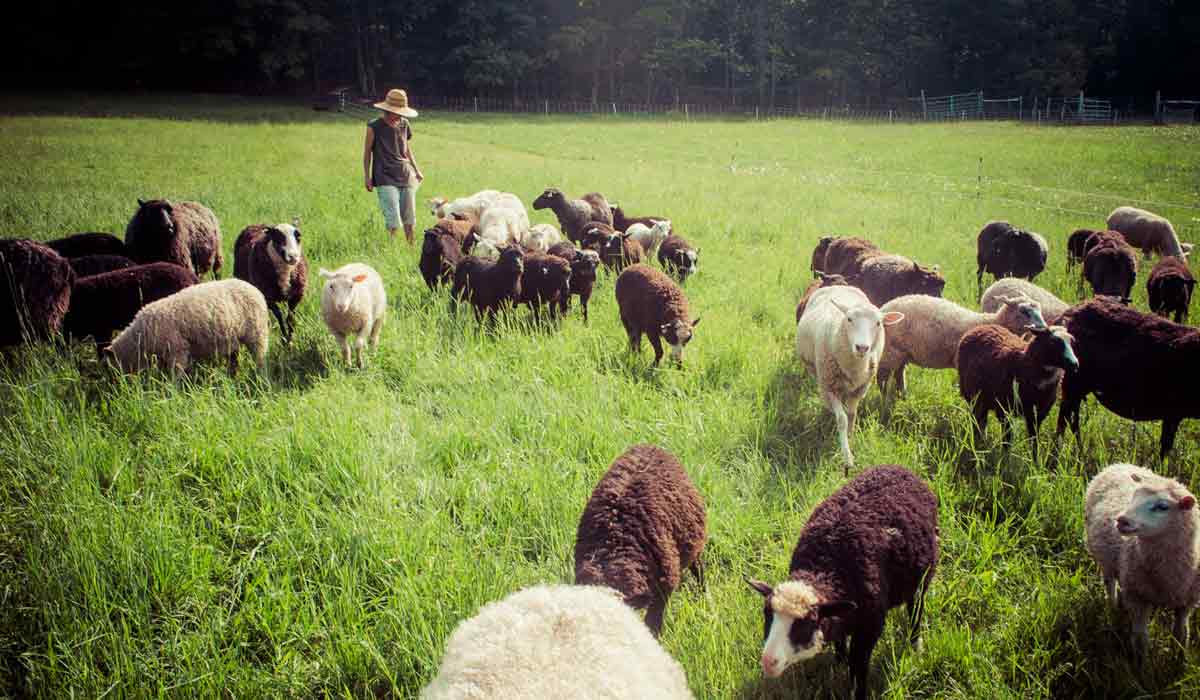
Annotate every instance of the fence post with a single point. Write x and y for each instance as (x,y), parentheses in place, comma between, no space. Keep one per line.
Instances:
(476,98)
(1158,107)
(1021,108)
(924,109)
(889,116)
(755,112)
(686,116)
(547,102)
(1080,113)
(981,113)
(614,105)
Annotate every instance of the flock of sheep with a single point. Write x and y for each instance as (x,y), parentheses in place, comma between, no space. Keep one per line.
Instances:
(869,547)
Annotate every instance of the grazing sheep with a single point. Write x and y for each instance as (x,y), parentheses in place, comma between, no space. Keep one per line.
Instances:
(574,214)
(868,548)
(617,250)
(649,236)
(270,258)
(1018,253)
(929,337)
(504,221)
(202,321)
(642,528)
(184,233)
(88,265)
(91,243)
(583,271)
(677,256)
(556,642)
(985,243)
(35,291)
(621,222)
(1052,307)
(1140,367)
(1110,267)
(818,255)
(840,339)
(845,256)
(822,280)
(651,303)
(1077,246)
(442,250)
(464,208)
(354,302)
(1170,287)
(541,237)
(488,285)
(1144,531)
(104,304)
(991,358)
(1147,231)
(885,277)
(545,280)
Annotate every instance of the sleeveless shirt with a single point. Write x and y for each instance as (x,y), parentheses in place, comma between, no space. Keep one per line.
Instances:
(389,164)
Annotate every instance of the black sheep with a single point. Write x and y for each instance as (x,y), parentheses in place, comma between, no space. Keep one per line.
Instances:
(1170,288)
(643,526)
(583,271)
(104,304)
(488,285)
(985,243)
(271,259)
(442,250)
(89,265)
(35,291)
(818,254)
(1140,367)
(1005,251)
(91,243)
(651,304)
(1110,267)
(1077,246)
(869,547)
(677,256)
(546,280)
(185,233)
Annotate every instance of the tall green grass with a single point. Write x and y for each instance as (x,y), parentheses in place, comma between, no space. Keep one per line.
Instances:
(318,531)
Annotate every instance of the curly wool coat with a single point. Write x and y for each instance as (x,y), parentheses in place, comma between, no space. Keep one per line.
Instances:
(818,254)
(489,286)
(1170,288)
(651,304)
(845,256)
(583,271)
(442,251)
(104,304)
(644,526)
(185,233)
(35,291)
(92,243)
(886,277)
(546,280)
(257,259)
(89,265)
(1110,267)
(1076,246)
(678,257)
(1052,306)
(1146,231)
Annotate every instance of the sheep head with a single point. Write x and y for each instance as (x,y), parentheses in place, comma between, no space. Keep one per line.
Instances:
(341,287)
(283,241)
(678,334)
(864,326)
(548,198)
(1156,507)
(1052,346)
(796,621)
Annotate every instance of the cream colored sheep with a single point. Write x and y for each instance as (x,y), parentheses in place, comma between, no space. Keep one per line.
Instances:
(353,302)
(1147,231)
(1052,306)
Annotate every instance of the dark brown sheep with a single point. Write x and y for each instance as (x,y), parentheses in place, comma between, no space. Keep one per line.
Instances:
(184,233)
(1077,246)
(822,280)
(1110,267)
(652,304)
(845,256)
(442,250)
(991,232)
(818,255)
(677,256)
(886,277)
(92,243)
(642,528)
(574,214)
(88,265)
(583,271)
(1170,288)
(489,286)
(546,280)
(1005,251)
(271,259)
(35,291)
(621,222)
(104,304)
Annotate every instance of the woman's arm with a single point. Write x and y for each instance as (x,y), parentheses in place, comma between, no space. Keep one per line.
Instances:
(367,147)
(412,159)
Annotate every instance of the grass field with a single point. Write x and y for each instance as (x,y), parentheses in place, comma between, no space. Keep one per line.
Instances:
(318,532)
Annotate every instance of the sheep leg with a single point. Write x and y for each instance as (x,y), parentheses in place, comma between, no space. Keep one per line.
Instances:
(233,363)
(656,343)
(345,347)
(583,301)
(980,411)
(360,346)
(697,569)
(843,427)
(1170,426)
(1180,629)
(839,649)
(283,327)
(654,615)
(376,327)
(1139,632)
(1110,589)
(861,647)
(901,386)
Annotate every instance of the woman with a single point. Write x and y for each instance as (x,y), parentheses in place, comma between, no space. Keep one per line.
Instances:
(388,164)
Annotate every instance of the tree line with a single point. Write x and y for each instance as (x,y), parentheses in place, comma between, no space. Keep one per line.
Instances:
(762,52)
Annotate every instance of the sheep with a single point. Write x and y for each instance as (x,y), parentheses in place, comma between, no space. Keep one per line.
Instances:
(204,320)
(869,547)
(1014,253)
(1076,246)
(617,250)
(990,358)
(885,277)
(504,221)
(985,243)
(818,254)
(35,291)
(677,256)
(649,236)
(1147,231)
(546,280)
(583,271)
(643,526)
(354,302)
(476,247)
(1128,358)
(104,304)
(88,265)
(840,339)
(541,237)
(466,208)
(489,285)
(574,214)
(92,243)
(556,641)
(1052,307)
(621,222)
(442,250)
(1110,267)
(270,258)
(1170,287)
(822,280)
(650,303)
(929,338)
(845,256)
(185,233)
(1143,530)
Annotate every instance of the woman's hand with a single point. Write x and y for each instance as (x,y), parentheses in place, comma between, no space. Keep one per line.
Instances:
(370,185)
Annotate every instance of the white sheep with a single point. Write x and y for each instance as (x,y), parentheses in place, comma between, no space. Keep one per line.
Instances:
(649,236)
(353,302)
(471,207)
(1052,306)
(929,338)
(839,339)
(1148,231)
(556,641)
(204,320)
(504,221)
(541,237)
(1144,531)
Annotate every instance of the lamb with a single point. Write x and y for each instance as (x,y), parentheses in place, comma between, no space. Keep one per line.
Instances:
(840,339)
(185,233)
(1170,287)
(642,528)
(270,258)
(617,250)
(991,358)
(1110,267)
(1012,252)
(677,256)
(204,320)
(88,265)
(546,280)
(649,236)
(885,277)
(1127,358)
(869,547)
(1147,231)
(556,642)
(1144,531)
(1052,307)
(1077,246)
(822,280)
(651,303)
(574,214)
(464,208)
(504,221)
(845,256)
(930,336)
(541,237)
(92,243)
(621,222)
(104,304)
(583,271)
(442,250)
(354,302)
(818,255)
(476,247)
(35,291)
(489,285)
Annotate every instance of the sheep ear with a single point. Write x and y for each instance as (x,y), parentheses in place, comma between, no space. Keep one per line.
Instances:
(1186,503)
(1039,330)
(835,608)
(936,268)
(891,318)
(141,202)
(359,278)
(838,305)
(296,221)
(326,273)
(664,328)
(695,322)
(759,586)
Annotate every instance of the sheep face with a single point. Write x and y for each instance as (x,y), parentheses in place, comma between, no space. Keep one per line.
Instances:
(548,198)
(678,334)
(341,288)
(1058,349)
(583,267)
(926,280)
(512,259)
(864,326)
(284,243)
(794,622)
(1153,510)
(156,214)
(436,207)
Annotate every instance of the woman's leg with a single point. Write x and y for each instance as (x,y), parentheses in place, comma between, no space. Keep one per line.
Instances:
(389,204)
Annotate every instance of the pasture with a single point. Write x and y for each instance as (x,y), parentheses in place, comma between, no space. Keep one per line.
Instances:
(318,531)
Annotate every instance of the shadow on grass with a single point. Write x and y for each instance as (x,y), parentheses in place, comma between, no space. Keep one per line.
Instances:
(798,428)
(820,678)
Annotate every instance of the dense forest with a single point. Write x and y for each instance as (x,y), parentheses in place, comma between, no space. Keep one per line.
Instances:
(767,52)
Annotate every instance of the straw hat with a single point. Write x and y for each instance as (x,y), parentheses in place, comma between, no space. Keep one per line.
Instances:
(397,103)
